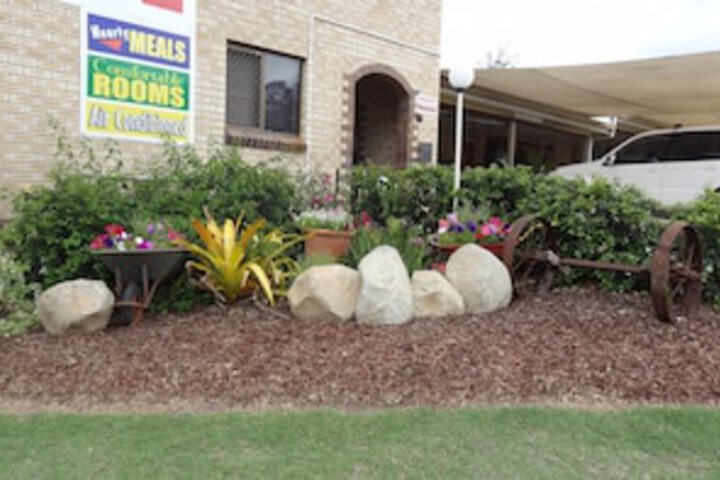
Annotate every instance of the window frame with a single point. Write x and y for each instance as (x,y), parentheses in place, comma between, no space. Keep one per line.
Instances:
(260,131)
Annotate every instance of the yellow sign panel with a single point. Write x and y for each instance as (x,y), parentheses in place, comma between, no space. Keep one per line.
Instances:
(130,121)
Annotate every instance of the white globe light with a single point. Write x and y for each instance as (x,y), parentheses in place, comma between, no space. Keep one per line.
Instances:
(461,77)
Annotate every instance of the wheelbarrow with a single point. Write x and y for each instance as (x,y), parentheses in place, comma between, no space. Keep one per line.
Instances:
(674,269)
(138,274)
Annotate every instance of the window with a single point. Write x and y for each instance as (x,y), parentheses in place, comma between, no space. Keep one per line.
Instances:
(643,150)
(263,90)
(694,146)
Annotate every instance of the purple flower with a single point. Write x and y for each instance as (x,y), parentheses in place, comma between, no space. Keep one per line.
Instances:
(150,228)
(472,226)
(145,245)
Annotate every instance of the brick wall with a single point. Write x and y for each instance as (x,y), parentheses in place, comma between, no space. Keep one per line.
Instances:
(40,65)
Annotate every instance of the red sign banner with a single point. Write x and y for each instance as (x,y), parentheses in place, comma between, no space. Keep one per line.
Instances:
(174,5)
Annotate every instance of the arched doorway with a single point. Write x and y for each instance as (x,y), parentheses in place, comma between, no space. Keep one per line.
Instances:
(380,131)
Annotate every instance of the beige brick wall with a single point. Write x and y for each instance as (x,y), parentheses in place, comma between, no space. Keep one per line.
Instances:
(40,65)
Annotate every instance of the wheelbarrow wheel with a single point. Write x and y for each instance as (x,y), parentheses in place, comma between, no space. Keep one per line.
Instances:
(128,314)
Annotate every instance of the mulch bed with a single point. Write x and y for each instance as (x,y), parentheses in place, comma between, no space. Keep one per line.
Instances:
(575,346)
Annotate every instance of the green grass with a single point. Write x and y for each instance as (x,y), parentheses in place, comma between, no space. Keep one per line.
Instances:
(529,442)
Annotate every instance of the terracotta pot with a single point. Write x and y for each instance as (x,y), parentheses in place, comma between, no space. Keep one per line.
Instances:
(331,243)
(449,248)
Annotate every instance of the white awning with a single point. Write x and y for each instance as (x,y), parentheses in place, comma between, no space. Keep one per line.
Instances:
(658,92)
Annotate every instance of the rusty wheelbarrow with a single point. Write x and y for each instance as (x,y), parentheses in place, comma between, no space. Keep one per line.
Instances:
(138,274)
(674,269)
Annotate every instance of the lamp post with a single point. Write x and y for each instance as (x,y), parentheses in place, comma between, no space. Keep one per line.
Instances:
(460,79)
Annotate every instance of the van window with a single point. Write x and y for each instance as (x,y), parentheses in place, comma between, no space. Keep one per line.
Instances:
(643,150)
(693,146)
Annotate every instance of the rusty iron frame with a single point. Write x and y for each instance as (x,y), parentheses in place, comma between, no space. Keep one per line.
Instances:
(673,285)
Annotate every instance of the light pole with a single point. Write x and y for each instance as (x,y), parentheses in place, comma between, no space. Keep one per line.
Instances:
(460,79)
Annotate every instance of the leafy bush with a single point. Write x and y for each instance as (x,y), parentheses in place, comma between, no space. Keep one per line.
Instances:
(596,221)
(406,239)
(53,225)
(17,309)
(600,220)
(704,213)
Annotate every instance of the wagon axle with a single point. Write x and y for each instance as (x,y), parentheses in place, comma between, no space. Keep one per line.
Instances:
(674,269)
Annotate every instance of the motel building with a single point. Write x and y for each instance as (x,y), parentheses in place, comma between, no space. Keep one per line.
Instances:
(327,83)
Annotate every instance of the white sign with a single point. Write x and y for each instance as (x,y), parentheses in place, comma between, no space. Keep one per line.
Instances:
(138,63)
(426,105)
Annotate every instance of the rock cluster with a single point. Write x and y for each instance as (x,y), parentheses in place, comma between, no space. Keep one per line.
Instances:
(381,292)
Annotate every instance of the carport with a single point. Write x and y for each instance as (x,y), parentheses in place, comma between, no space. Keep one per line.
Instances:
(564,102)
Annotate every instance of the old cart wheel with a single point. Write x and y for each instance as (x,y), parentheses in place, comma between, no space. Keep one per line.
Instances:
(676,273)
(128,314)
(528,254)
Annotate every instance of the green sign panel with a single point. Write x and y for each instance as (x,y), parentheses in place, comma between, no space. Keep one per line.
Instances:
(138,84)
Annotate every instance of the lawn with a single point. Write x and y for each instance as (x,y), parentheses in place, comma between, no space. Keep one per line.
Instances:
(493,442)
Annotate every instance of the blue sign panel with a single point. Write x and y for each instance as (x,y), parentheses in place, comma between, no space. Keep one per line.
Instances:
(138,42)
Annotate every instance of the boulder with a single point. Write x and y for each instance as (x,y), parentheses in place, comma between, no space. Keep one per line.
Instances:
(480,277)
(385,294)
(84,305)
(328,292)
(433,296)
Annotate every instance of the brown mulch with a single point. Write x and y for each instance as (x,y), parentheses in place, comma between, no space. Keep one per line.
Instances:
(573,346)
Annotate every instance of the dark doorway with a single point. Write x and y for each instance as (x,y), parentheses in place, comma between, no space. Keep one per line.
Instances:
(381,122)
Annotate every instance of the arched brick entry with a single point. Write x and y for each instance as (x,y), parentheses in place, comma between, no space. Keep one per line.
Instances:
(378,127)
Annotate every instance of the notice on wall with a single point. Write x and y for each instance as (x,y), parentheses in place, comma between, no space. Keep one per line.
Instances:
(138,69)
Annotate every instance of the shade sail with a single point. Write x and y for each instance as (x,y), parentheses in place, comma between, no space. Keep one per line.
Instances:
(657,92)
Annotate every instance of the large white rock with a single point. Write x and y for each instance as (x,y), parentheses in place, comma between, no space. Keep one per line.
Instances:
(433,296)
(481,278)
(385,294)
(328,292)
(84,305)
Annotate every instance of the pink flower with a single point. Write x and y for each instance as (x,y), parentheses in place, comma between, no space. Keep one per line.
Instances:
(99,242)
(443,225)
(172,235)
(115,229)
(366,219)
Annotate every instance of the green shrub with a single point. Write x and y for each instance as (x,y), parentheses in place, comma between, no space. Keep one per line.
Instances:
(53,225)
(373,190)
(506,191)
(17,309)
(408,240)
(704,213)
(597,221)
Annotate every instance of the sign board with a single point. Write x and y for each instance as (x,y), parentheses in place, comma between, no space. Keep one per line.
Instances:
(426,105)
(138,63)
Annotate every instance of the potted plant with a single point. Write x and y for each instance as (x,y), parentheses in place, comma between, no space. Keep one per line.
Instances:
(141,259)
(466,226)
(327,222)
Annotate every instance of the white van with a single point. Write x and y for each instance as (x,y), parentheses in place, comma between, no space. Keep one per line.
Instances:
(672,165)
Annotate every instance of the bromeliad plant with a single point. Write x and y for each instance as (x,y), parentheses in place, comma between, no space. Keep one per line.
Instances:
(236,260)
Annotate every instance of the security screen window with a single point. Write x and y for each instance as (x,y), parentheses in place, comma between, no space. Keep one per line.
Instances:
(263,90)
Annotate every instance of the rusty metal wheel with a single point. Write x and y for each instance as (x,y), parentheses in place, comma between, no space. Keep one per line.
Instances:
(528,255)
(676,273)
